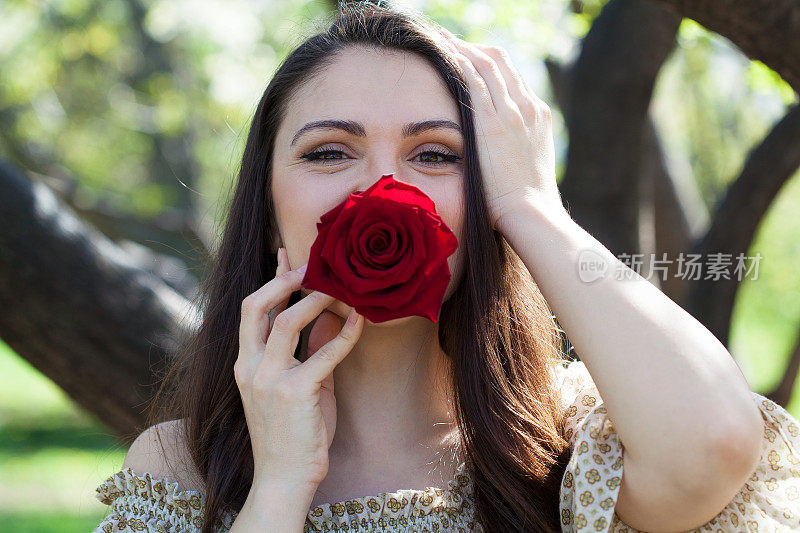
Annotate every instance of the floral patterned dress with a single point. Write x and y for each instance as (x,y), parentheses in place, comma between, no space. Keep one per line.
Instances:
(768,502)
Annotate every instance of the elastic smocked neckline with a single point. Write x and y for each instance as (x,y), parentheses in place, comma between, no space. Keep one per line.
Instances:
(174,504)
(400,507)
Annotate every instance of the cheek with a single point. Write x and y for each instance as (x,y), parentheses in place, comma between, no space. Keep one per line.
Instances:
(297,211)
(452,213)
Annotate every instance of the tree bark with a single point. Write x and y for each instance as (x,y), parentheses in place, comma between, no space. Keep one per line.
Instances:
(767,30)
(76,307)
(608,91)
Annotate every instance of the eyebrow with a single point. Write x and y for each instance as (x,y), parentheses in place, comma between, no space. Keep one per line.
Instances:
(356,128)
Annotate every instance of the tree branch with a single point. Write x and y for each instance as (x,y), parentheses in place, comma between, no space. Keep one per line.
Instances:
(782,394)
(767,30)
(75,306)
(608,94)
(738,215)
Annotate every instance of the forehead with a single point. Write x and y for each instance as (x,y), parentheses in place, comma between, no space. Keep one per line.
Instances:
(373,86)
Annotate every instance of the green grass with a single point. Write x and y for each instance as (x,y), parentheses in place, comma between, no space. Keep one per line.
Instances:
(52,455)
(34,522)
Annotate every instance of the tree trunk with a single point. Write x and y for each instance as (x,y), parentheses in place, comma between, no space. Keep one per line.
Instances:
(608,92)
(77,307)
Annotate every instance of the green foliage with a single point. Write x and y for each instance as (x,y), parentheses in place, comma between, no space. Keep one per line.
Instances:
(712,105)
(767,310)
(90,86)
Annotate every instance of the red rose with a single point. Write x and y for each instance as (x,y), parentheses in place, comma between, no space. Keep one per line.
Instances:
(384,252)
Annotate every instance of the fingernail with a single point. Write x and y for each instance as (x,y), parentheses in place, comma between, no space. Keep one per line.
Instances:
(352,318)
(302,269)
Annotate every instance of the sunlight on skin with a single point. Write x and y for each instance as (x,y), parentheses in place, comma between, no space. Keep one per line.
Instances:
(395,365)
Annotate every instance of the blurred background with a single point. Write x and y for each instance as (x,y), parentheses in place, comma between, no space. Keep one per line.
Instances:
(121,128)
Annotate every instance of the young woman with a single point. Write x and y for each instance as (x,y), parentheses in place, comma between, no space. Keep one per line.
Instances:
(470,423)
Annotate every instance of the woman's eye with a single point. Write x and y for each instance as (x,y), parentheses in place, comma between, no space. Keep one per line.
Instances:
(444,157)
(322,155)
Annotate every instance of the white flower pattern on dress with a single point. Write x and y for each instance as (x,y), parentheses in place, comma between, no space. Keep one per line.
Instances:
(768,502)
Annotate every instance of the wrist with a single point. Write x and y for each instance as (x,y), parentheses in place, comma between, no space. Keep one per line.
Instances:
(275,505)
(549,243)
(527,211)
(288,491)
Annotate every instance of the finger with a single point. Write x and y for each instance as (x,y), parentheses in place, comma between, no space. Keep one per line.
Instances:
(325,328)
(517,87)
(486,77)
(251,355)
(482,107)
(265,326)
(320,365)
(285,334)
(256,306)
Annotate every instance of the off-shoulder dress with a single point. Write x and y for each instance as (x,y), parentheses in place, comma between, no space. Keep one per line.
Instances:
(769,501)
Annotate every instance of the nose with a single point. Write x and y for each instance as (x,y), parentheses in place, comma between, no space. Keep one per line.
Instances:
(382,159)
(375,173)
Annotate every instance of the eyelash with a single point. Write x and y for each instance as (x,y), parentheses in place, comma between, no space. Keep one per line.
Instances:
(314,156)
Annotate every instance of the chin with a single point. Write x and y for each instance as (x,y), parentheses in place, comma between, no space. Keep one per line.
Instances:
(341,309)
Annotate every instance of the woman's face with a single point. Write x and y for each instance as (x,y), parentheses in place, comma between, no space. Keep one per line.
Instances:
(378,93)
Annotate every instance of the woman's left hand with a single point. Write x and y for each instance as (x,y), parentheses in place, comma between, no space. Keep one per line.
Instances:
(513,132)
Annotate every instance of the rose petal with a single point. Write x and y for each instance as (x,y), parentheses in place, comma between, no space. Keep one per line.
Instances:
(383,251)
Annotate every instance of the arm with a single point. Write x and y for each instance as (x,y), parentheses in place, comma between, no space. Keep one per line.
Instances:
(680,404)
(684,412)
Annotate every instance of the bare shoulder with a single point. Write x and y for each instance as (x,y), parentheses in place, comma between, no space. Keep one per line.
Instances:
(161,450)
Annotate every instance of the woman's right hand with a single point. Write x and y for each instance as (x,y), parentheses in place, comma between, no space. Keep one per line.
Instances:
(289,405)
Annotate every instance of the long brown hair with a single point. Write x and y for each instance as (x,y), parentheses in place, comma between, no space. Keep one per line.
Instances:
(496,328)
